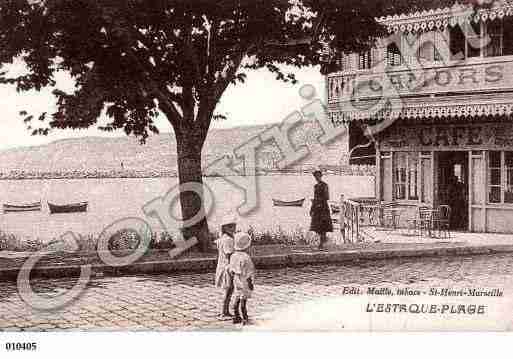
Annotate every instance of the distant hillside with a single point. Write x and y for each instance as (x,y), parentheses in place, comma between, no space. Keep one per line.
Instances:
(159,153)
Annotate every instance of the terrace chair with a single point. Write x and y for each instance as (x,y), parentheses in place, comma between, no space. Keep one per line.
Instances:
(389,215)
(335,211)
(370,214)
(423,222)
(442,221)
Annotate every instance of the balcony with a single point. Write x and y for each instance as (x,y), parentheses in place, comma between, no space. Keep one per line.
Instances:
(471,75)
(480,85)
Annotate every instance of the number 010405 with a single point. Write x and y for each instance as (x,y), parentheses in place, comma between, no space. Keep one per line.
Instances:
(20,346)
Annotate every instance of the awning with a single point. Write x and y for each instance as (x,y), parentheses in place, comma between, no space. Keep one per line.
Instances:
(468,108)
(428,111)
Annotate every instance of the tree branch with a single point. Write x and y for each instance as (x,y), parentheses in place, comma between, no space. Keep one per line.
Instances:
(188,76)
(212,54)
(167,106)
(206,111)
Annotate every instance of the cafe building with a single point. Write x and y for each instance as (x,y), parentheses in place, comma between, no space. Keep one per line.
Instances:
(435,102)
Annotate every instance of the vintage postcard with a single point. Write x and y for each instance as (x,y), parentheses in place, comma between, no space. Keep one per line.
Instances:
(260,166)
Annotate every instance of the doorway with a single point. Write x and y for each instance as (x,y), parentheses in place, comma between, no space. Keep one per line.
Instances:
(453,186)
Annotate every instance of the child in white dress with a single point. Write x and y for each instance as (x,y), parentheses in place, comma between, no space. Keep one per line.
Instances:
(243,271)
(225,247)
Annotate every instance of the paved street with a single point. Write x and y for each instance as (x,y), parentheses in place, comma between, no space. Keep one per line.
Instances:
(188,302)
(157,302)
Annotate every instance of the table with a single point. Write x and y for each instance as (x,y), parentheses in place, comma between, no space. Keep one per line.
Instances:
(425,217)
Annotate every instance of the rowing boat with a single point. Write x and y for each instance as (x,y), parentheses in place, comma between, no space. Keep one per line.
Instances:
(15,208)
(67,208)
(297,203)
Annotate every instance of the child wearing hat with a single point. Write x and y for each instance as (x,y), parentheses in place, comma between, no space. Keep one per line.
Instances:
(243,271)
(224,279)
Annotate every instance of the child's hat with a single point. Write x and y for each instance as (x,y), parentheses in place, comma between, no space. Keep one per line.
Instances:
(228,219)
(242,241)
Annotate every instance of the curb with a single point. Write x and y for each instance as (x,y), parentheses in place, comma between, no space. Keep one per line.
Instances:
(294,259)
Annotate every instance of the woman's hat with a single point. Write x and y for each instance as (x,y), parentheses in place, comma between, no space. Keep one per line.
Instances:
(228,219)
(317,172)
(242,241)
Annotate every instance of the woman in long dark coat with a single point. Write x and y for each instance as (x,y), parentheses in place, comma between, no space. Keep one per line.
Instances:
(320,211)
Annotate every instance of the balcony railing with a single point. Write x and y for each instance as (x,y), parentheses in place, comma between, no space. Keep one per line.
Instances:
(473,75)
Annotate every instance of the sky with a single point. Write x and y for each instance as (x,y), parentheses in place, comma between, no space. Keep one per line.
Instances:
(261,100)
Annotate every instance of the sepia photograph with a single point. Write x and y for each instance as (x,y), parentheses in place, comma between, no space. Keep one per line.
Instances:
(255,166)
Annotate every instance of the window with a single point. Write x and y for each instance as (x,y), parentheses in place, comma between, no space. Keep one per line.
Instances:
(500,177)
(412,177)
(508,171)
(406,182)
(495,34)
(473,35)
(457,43)
(364,60)
(494,177)
(466,40)
(394,57)
(336,86)
(507,37)
(458,172)
(344,62)
(400,172)
(428,47)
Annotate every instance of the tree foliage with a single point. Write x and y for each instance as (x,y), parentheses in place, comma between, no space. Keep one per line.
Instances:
(132,58)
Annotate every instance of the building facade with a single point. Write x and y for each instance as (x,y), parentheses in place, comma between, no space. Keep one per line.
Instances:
(436,99)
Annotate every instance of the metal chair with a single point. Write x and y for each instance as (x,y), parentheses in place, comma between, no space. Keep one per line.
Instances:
(335,210)
(370,214)
(423,223)
(389,214)
(443,221)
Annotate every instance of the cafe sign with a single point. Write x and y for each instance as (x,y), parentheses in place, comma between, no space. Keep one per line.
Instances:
(451,137)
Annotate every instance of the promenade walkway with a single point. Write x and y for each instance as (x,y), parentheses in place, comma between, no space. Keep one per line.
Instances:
(385,245)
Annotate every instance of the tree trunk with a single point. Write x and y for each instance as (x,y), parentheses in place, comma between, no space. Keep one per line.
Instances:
(189,170)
